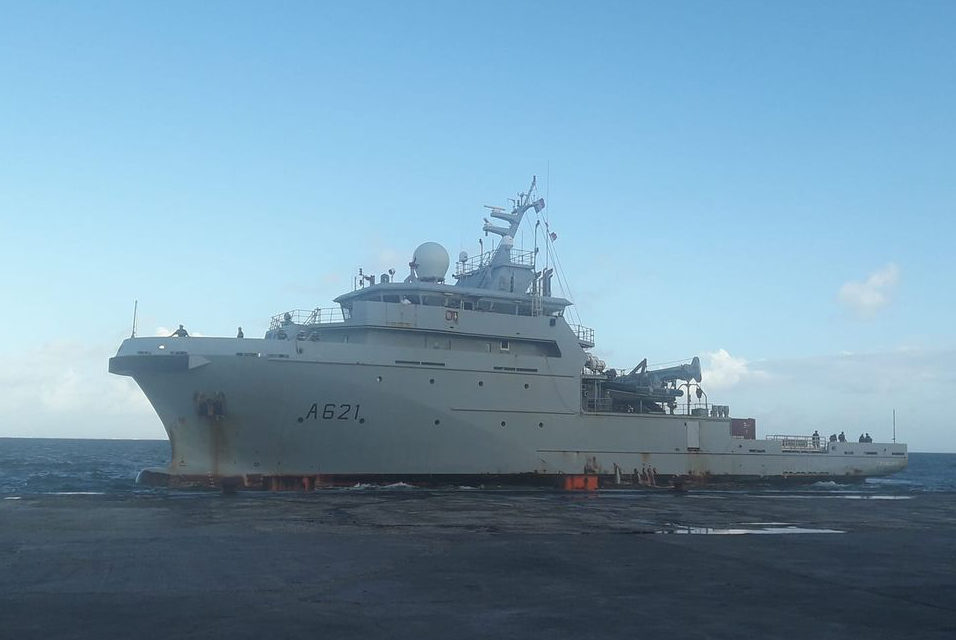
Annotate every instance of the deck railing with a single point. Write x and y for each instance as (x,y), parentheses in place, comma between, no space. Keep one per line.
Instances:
(309,317)
(606,405)
(585,334)
(473,264)
(799,443)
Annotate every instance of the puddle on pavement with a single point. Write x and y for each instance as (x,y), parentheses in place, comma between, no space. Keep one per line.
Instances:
(751,528)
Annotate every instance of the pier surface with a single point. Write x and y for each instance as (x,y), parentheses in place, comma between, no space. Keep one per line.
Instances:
(479,564)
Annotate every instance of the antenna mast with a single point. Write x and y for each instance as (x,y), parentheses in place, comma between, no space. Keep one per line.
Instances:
(894,425)
(547,229)
(135,304)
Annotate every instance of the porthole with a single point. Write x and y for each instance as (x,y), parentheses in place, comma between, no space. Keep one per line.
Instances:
(361,420)
(526,385)
(378,379)
(503,423)
(481,383)
(541,425)
(431,381)
(437,422)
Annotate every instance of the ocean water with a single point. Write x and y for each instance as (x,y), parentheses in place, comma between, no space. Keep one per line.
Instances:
(34,466)
(31,466)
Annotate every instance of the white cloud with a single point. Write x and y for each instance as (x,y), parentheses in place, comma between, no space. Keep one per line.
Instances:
(864,299)
(723,371)
(63,389)
(393,258)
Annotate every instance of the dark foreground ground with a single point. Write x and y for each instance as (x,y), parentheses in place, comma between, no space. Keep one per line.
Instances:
(469,564)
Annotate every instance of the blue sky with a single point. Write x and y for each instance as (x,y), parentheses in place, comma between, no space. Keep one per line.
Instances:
(767,185)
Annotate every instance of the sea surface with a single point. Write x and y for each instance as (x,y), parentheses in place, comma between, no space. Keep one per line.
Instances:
(37,466)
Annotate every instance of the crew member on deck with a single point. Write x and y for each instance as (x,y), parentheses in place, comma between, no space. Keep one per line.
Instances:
(180,333)
(842,437)
(862,439)
(239,334)
(816,438)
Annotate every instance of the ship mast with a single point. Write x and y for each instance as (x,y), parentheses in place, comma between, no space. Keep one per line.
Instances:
(521,205)
(501,255)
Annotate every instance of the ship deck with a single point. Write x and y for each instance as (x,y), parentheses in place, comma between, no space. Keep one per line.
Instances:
(413,563)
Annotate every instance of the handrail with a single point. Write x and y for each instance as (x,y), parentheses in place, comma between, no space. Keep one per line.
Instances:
(799,442)
(473,264)
(307,317)
(584,334)
(604,405)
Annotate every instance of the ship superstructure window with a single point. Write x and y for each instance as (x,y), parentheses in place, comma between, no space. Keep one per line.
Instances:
(447,340)
(447,300)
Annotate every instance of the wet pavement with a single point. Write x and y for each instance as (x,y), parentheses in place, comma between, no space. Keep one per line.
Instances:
(412,563)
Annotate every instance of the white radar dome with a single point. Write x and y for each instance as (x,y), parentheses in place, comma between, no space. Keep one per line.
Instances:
(432,261)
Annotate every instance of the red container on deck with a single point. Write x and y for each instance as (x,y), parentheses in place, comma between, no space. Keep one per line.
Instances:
(745,428)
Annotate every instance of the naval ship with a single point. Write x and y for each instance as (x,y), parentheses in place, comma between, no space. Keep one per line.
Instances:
(479,381)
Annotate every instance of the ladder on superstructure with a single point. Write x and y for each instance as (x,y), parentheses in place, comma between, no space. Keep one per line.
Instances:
(536,306)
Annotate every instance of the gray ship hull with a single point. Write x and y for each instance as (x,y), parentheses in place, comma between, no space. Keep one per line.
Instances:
(269,413)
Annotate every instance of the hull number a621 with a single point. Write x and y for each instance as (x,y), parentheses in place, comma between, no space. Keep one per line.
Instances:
(333,411)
